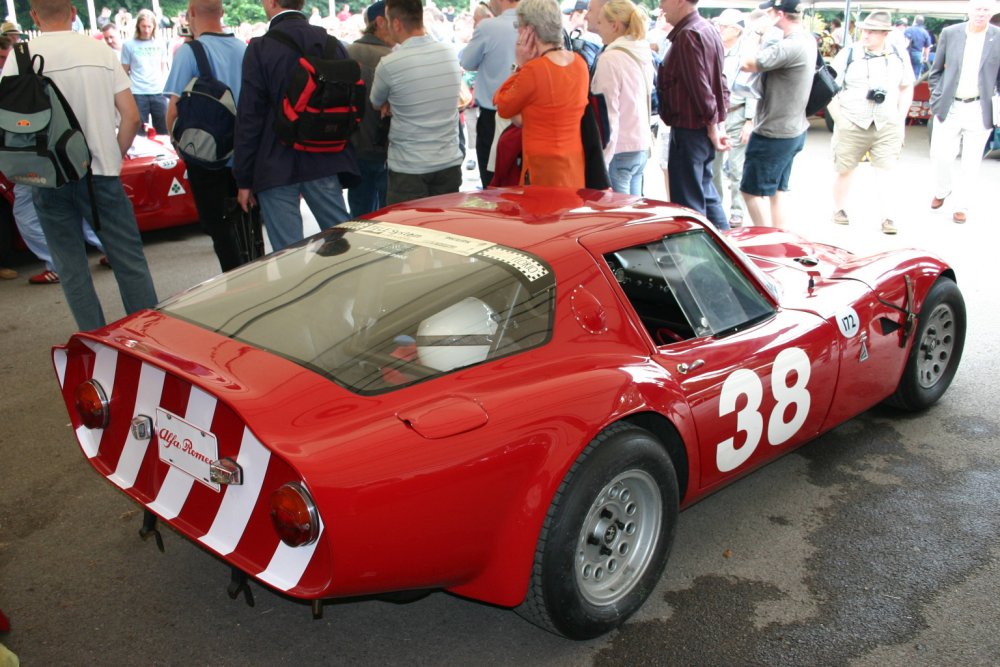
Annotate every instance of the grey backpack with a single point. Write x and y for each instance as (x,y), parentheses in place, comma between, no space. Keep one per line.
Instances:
(41,143)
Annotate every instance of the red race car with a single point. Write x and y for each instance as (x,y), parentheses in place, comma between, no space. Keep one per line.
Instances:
(155,180)
(506,394)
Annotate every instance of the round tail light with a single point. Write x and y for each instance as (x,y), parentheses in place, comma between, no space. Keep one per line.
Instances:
(294,515)
(92,404)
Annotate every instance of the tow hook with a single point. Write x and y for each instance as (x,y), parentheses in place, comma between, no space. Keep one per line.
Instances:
(239,582)
(149,528)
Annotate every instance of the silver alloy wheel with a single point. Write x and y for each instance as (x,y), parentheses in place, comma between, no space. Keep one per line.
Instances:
(619,536)
(936,346)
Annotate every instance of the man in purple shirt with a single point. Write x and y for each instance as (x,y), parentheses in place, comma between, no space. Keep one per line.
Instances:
(694,100)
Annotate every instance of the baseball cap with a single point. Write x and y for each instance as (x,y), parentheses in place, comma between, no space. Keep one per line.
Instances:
(787,6)
(578,6)
(375,10)
(730,17)
(9,27)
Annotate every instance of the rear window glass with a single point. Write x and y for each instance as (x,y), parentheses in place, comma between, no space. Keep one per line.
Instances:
(378,306)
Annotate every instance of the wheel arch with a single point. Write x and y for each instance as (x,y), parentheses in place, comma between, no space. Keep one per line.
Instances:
(505,581)
(667,435)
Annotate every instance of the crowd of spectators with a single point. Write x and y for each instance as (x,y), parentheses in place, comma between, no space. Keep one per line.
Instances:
(721,103)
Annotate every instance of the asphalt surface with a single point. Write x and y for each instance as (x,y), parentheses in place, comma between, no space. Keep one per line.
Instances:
(876,544)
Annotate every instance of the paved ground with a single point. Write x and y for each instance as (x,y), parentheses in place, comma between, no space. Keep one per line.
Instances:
(874,545)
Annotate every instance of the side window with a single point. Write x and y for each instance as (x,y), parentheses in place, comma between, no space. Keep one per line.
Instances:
(685,286)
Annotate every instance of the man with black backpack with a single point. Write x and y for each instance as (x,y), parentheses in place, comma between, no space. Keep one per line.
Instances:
(212,184)
(94,87)
(268,171)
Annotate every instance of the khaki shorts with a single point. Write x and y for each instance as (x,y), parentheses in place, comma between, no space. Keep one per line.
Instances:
(850,143)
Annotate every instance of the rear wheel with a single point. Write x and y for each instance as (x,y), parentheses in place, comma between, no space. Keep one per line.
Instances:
(606,536)
(936,351)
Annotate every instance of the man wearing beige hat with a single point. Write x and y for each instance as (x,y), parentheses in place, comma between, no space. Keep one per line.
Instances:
(11,30)
(963,80)
(876,82)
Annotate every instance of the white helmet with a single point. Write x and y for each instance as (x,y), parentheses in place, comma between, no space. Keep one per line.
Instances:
(457,336)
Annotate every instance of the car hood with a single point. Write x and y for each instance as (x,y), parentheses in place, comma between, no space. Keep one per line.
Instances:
(821,278)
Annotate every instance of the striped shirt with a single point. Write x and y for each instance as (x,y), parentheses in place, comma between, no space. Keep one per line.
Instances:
(420,79)
(692,88)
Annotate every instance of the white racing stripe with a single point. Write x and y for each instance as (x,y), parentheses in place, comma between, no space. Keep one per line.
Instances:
(147,397)
(177,484)
(59,361)
(238,503)
(289,563)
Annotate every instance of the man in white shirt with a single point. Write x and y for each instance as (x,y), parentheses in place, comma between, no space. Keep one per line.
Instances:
(94,84)
(963,80)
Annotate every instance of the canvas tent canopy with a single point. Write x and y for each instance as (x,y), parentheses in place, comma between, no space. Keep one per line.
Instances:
(953,9)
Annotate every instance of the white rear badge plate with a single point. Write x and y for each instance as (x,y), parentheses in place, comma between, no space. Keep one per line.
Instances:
(186,447)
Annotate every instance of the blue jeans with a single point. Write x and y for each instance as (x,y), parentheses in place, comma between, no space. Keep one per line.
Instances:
(690,174)
(370,194)
(31,230)
(59,211)
(154,108)
(625,171)
(279,208)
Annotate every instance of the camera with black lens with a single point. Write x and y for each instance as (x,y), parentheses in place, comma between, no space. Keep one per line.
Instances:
(876,95)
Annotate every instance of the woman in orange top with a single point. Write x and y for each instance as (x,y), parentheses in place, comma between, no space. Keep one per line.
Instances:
(546,96)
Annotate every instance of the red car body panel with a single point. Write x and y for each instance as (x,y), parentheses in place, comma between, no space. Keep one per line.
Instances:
(155,180)
(445,483)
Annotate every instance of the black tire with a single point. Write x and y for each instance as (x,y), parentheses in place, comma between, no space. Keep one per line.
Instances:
(936,351)
(606,536)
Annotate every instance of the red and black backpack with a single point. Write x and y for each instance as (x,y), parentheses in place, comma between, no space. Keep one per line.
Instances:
(323,102)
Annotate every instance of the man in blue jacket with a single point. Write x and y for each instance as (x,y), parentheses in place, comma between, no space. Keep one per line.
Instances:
(268,172)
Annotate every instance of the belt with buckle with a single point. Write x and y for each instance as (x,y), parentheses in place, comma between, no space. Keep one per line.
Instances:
(967,99)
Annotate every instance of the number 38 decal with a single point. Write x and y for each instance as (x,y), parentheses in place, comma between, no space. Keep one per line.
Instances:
(749,420)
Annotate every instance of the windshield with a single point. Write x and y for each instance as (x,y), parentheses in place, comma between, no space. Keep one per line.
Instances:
(377,306)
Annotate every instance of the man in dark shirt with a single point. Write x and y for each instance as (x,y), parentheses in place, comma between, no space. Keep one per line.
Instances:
(694,100)
(919,45)
(267,171)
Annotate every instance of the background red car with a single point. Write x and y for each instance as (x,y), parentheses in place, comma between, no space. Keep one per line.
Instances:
(155,180)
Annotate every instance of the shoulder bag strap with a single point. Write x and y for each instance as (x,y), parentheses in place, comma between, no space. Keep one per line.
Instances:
(25,62)
(642,75)
(201,58)
(285,39)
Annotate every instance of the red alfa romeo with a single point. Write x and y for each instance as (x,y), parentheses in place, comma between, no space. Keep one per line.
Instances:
(508,395)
